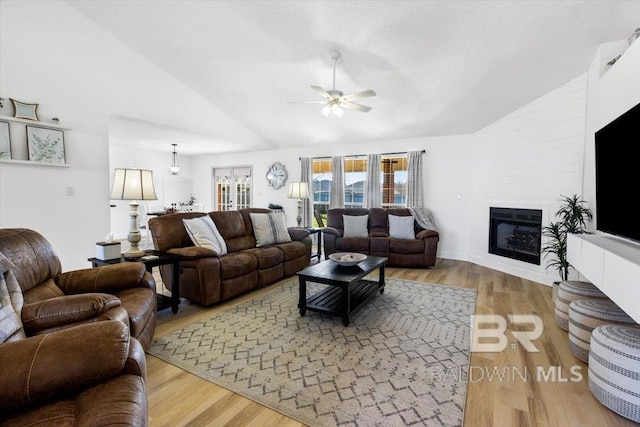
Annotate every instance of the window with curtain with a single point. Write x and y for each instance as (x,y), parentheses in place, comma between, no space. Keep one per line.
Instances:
(393,173)
(321,186)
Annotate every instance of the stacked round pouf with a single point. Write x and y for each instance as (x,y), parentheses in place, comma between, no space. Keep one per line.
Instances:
(569,291)
(614,369)
(587,314)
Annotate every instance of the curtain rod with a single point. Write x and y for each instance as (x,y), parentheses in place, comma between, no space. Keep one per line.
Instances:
(362,155)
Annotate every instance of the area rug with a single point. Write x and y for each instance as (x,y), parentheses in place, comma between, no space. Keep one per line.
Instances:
(402,361)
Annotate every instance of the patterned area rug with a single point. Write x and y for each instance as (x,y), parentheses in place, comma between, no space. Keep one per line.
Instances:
(400,361)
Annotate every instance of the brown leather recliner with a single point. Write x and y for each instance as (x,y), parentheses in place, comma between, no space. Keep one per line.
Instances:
(87,375)
(54,300)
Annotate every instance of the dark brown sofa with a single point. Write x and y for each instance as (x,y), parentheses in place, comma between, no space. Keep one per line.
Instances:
(418,252)
(55,300)
(206,277)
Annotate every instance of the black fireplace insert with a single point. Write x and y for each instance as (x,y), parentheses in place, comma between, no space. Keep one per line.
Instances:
(516,233)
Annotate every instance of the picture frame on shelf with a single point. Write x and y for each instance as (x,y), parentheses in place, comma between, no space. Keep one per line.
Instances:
(46,145)
(5,141)
(24,110)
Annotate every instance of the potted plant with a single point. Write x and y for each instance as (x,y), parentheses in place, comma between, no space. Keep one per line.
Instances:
(573,217)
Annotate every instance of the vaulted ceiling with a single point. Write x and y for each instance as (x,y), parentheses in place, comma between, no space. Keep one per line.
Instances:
(438,67)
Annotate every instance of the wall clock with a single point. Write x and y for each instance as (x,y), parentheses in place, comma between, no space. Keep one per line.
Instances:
(277,175)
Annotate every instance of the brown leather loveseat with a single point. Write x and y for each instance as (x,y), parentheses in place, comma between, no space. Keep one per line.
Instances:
(418,251)
(207,277)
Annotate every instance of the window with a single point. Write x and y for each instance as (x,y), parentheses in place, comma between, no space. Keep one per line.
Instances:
(394,181)
(393,172)
(232,188)
(355,179)
(321,187)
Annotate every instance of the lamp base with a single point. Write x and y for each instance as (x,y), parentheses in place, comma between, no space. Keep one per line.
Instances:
(134,236)
(131,254)
(299,217)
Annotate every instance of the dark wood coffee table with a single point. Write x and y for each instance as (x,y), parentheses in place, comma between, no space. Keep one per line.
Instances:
(347,290)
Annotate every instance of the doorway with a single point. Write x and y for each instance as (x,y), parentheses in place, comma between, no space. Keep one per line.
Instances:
(232,188)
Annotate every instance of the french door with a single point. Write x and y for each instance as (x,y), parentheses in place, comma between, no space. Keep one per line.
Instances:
(232,188)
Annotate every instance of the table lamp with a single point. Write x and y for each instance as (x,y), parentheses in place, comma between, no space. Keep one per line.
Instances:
(298,190)
(134,185)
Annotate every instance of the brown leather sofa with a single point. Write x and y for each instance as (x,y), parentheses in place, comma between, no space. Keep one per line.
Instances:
(86,375)
(418,252)
(54,300)
(207,278)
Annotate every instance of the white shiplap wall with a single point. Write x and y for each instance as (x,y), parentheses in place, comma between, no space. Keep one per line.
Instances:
(527,160)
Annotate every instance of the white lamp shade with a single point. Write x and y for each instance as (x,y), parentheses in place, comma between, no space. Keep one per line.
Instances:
(298,190)
(133,184)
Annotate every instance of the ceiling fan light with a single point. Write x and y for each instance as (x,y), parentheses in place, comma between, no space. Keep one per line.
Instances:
(326,110)
(337,110)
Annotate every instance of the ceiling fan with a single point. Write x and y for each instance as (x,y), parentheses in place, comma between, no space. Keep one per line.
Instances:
(335,100)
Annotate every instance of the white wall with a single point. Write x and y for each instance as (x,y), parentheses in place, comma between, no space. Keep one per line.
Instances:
(74,70)
(528,159)
(446,166)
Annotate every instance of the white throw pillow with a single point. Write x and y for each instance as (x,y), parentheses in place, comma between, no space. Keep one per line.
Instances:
(204,233)
(355,226)
(401,227)
(269,228)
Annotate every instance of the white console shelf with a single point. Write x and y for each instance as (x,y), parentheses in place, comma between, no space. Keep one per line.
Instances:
(612,264)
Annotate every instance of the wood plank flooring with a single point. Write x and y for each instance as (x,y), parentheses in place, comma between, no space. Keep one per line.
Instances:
(178,398)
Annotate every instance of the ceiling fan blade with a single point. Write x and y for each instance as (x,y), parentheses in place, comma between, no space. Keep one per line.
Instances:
(354,106)
(322,91)
(358,95)
(307,102)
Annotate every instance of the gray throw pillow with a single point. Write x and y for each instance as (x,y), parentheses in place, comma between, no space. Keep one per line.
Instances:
(401,227)
(355,226)
(269,228)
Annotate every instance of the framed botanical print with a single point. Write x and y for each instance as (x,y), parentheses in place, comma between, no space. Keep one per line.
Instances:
(45,145)
(5,141)
(25,110)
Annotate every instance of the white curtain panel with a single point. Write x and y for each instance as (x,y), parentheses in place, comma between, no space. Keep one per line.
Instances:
(373,190)
(336,198)
(414,181)
(306,175)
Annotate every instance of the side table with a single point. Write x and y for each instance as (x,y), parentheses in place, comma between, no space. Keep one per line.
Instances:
(163,258)
(318,233)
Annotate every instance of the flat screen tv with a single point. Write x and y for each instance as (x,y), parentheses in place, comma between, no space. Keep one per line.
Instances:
(618,175)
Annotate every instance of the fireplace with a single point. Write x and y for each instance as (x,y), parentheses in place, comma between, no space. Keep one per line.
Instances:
(515,233)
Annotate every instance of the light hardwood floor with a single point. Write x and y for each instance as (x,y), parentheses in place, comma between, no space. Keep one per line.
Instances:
(178,398)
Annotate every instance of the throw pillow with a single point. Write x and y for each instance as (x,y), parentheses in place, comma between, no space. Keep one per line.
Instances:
(355,226)
(11,302)
(269,228)
(204,233)
(401,227)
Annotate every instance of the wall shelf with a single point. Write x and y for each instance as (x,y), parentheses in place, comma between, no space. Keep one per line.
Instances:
(19,145)
(33,123)
(34,163)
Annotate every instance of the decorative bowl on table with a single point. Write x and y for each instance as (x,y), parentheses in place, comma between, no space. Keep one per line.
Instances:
(347,259)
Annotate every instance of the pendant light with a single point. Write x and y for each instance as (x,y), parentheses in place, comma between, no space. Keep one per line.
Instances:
(174,169)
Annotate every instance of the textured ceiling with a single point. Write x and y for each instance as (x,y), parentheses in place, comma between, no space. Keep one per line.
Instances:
(438,67)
